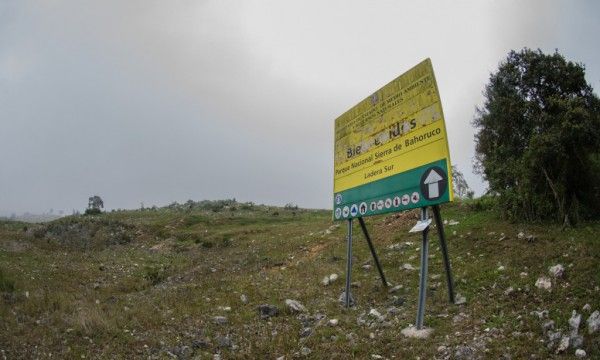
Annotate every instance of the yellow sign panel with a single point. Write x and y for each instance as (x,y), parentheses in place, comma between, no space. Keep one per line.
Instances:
(392,141)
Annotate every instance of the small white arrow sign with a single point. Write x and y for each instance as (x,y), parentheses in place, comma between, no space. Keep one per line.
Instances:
(432,180)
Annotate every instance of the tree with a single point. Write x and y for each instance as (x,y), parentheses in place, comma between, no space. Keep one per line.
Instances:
(461,188)
(538,138)
(95,205)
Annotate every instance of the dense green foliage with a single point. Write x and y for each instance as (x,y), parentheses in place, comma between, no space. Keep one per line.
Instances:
(538,138)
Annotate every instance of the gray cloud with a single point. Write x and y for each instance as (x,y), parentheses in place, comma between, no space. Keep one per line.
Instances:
(159,101)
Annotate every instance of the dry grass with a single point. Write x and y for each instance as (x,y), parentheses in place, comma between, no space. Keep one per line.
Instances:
(156,296)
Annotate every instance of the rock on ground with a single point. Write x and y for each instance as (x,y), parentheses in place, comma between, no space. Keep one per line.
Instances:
(593,322)
(459,300)
(376,315)
(329,279)
(576,341)
(395,289)
(224,341)
(557,271)
(220,320)
(580,353)
(266,311)
(294,306)
(574,322)
(413,332)
(408,267)
(306,332)
(342,299)
(540,314)
(547,326)
(543,283)
(563,345)
(464,352)
(244,299)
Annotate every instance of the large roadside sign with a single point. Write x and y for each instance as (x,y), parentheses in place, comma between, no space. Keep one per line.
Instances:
(391,149)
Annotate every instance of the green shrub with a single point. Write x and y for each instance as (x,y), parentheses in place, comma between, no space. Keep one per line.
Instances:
(155,274)
(484,203)
(93,212)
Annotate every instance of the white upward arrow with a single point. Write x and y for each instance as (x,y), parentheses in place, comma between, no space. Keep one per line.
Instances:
(432,180)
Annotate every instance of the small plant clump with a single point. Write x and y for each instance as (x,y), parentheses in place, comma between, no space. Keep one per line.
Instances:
(155,274)
(7,285)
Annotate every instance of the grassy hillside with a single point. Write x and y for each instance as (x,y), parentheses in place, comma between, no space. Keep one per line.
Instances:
(185,282)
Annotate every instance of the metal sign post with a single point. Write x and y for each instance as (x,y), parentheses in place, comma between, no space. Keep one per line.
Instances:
(372,248)
(440,229)
(348,265)
(423,226)
(363,226)
(423,274)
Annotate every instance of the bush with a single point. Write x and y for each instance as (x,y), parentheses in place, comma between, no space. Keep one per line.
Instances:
(290,206)
(92,212)
(484,203)
(538,138)
(155,274)
(247,206)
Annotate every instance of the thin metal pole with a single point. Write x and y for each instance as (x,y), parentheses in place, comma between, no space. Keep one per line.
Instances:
(442,236)
(423,275)
(348,265)
(372,248)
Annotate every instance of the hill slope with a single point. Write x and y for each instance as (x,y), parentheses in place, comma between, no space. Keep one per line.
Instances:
(186,283)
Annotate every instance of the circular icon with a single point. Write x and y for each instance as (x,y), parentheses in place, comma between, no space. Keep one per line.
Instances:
(338,199)
(414,198)
(354,210)
(338,213)
(345,211)
(362,208)
(433,183)
(405,199)
(396,201)
(388,203)
(380,205)
(373,206)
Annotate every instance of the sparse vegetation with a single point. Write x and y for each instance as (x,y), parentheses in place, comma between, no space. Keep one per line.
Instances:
(157,295)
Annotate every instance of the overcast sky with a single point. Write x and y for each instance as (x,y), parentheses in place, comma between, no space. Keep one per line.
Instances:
(161,101)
